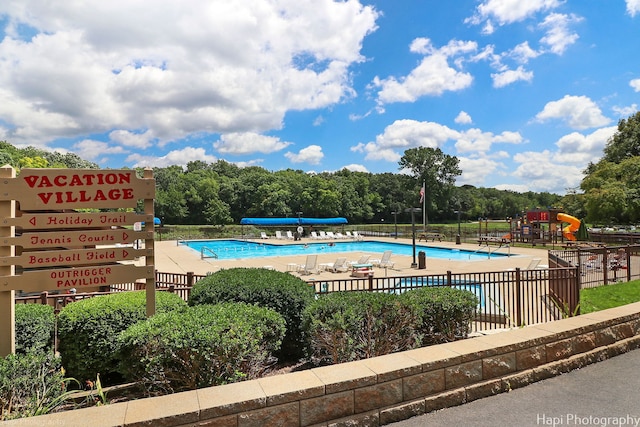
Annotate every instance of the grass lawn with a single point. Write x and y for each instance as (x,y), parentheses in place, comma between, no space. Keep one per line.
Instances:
(603,297)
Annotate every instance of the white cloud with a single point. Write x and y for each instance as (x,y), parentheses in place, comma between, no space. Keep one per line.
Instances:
(91,149)
(356,168)
(476,170)
(635,83)
(174,69)
(633,7)
(579,112)
(542,174)
(627,111)
(432,77)
(510,11)
(580,149)
(463,118)
(477,141)
(177,157)
(312,154)
(132,139)
(507,77)
(558,36)
(248,143)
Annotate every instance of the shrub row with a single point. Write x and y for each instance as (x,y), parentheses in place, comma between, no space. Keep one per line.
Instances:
(35,325)
(346,326)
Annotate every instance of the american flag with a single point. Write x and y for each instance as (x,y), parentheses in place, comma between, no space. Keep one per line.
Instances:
(422,194)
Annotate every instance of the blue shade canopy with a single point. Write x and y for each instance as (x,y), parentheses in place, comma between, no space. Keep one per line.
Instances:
(293,221)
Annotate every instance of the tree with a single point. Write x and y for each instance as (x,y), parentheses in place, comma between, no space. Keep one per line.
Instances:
(625,142)
(437,170)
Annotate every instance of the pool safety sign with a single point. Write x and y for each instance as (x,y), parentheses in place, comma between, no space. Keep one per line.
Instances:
(73,228)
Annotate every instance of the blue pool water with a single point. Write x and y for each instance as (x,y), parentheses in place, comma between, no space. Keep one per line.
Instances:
(405,284)
(235,249)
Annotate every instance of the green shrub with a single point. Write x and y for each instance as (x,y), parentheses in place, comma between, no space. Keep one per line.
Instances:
(203,346)
(345,326)
(35,324)
(445,313)
(88,329)
(30,384)
(282,292)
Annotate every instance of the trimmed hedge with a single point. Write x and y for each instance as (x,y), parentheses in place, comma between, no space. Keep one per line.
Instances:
(346,326)
(203,346)
(445,313)
(282,292)
(35,325)
(87,330)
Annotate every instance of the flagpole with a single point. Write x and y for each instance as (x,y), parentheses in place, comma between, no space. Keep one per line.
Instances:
(424,208)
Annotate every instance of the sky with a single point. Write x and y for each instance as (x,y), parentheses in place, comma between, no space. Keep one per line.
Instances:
(525,93)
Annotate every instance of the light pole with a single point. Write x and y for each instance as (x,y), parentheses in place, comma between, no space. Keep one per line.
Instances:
(414,264)
(458,236)
(395,223)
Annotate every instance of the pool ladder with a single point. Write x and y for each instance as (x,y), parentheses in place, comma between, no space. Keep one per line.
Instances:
(212,253)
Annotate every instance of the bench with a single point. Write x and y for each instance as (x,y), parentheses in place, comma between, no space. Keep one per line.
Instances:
(432,236)
(491,240)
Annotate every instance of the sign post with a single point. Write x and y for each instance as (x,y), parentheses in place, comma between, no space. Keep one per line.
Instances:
(62,248)
(7,297)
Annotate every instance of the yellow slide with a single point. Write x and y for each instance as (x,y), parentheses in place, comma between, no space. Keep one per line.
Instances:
(569,230)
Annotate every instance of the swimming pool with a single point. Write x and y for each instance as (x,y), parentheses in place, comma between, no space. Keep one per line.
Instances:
(235,249)
(405,284)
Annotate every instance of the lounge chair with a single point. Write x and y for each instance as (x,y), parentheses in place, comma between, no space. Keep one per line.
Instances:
(310,265)
(314,235)
(279,235)
(385,261)
(340,265)
(362,260)
(340,236)
(357,236)
(323,235)
(289,235)
(348,235)
(263,235)
(532,265)
(330,235)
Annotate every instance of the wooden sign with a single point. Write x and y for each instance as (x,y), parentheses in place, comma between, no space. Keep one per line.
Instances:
(37,259)
(40,189)
(76,220)
(79,278)
(75,239)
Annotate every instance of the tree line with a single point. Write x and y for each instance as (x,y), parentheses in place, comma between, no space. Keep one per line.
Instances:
(221,193)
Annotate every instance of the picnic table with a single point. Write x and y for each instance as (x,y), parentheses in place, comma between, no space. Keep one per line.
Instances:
(432,236)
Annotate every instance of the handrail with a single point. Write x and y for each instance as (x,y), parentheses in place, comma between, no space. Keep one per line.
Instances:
(206,249)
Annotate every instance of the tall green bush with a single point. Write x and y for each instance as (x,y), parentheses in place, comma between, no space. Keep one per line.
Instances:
(35,325)
(202,346)
(282,292)
(88,329)
(30,384)
(444,313)
(345,326)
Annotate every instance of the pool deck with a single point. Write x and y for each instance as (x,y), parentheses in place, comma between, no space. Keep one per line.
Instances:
(173,258)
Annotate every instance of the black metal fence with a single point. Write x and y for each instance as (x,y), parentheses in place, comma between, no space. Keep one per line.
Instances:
(600,265)
(506,299)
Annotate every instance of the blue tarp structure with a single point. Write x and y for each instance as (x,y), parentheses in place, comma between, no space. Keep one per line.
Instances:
(292,221)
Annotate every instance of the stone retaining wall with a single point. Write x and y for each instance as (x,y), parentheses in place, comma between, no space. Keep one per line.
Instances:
(384,389)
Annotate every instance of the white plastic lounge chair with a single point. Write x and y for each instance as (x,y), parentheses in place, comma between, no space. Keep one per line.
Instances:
(310,266)
(348,235)
(330,235)
(532,265)
(357,236)
(339,266)
(279,235)
(289,235)
(263,235)
(314,235)
(362,260)
(340,236)
(385,261)
(323,235)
